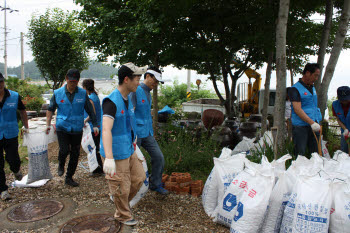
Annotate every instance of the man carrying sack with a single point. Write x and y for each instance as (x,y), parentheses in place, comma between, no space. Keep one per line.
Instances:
(124,171)
(10,102)
(70,102)
(340,110)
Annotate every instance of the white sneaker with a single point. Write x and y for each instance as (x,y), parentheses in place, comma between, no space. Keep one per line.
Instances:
(131,222)
(5,195)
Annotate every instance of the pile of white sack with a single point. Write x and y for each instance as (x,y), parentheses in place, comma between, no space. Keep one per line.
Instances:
(312,195)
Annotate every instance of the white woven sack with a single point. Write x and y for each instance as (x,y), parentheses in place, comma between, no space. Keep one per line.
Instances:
(144,188)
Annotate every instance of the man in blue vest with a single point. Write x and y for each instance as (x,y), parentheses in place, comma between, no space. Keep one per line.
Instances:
(305,113)
(70,102)
(10,102)
(123,169)
(142,101)
(340,109)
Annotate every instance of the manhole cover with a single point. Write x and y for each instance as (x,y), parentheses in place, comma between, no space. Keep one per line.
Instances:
(92,223)
(35,210)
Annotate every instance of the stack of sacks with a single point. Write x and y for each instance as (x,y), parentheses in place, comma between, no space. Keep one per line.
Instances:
(226,168)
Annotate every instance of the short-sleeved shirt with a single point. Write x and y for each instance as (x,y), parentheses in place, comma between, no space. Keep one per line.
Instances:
(294,94)
(7,94)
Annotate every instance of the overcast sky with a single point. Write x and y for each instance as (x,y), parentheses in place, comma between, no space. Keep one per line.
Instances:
(18,22)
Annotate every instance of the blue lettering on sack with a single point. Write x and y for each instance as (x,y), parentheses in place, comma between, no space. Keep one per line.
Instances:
(90,148)
(239,212)
(230,201)
(39,153)
(146,180)
(311,218)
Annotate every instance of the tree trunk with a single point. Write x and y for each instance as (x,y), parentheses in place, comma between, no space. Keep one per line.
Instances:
(155,102)
(227,91)
(337,47)
(280,103)
(266,93)
(324,40)
(233,97)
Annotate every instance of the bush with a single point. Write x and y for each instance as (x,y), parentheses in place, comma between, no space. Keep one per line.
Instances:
(185,151)
(175,95)
(30,93)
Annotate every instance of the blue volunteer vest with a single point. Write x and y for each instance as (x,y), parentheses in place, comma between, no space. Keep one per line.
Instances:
(308,105)
(143,115)
(8,117)
(124,122)
(97,105)
(70,116)
(340,114)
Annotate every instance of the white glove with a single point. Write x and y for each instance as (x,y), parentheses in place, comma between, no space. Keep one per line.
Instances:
(109,167)
(346,133)
(25,130)
(315,127)
(96,131)
(48,128)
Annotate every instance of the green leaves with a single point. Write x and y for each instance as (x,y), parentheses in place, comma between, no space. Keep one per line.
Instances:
(57,44)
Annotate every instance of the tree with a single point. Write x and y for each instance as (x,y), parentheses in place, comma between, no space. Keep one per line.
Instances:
(323,85)
(280,103)
(55,39)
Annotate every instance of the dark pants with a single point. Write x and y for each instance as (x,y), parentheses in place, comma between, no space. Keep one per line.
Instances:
(303,138)
(10,146)
(69,144)
(98,156)
(344,145)
(157,159)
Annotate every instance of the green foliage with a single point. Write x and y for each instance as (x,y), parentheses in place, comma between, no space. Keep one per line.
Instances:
(30,93)
(55,39)
(185,151)
(175,95)
(329,106)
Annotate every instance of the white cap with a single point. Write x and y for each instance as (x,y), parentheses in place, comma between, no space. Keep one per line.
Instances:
(157,75)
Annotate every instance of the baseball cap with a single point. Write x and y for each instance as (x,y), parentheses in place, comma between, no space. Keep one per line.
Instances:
(2,78)
(73,74)
(343,93)
(156,74)
(131,69)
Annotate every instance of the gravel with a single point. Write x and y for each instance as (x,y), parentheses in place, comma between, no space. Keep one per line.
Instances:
(156,213)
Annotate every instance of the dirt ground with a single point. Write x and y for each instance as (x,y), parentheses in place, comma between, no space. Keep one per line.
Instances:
(156,213)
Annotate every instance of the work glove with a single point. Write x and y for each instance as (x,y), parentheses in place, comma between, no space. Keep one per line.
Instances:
(25,130)
(109,167)
(48,128)
(346,133)
(96,131)
(315,127)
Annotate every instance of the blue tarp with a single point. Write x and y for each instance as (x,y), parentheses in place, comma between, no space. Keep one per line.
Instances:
(166,109)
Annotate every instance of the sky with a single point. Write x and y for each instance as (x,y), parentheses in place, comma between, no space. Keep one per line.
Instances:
(18,22)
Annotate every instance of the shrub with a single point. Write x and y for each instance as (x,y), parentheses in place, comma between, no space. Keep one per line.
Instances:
(175,95)
(30,93)
(186,151)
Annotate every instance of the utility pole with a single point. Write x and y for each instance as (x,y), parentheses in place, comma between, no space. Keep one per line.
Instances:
(5,44)
(22,58)
(5,36)
(188,94)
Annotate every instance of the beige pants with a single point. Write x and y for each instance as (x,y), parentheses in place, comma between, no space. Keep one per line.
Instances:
(125,184)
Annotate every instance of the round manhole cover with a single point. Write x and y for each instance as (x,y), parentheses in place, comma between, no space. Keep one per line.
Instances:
(92,223)
(35,210)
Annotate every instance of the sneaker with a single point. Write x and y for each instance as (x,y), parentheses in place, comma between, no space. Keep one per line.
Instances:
(160,190)
(18,175)
(131,222)
(60,170)
(71,182)
(5,195)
